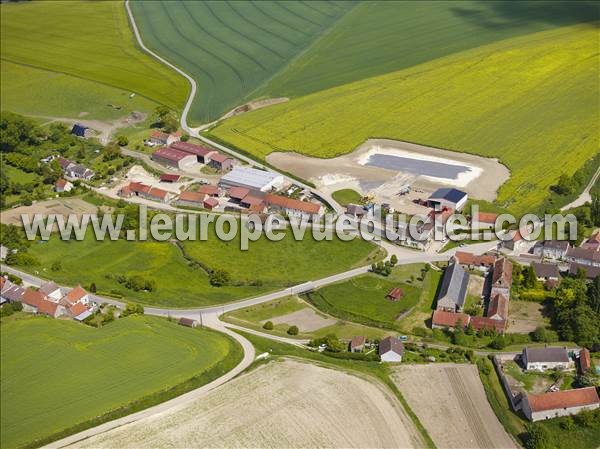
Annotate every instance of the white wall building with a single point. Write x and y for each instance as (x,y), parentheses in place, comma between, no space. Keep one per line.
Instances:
(542,359)
(252,179)
(538,407)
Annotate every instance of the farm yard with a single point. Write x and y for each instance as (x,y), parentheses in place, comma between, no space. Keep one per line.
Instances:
(232,48)
(293,311)
(282,404)
(181,282)
(527,77)
(363,299)
(65,58)
(452,406)
(59,374)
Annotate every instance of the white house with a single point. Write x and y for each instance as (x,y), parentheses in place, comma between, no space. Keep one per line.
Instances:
(448,197)
(537,407)
(52,291)
(391,350)
(542,359)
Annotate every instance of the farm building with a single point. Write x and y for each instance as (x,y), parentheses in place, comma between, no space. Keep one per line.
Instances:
(210,203)
(202,153)
(50,308)
(193,199)
(237,194)
(188,322)
(146,191)
(537,407)
(395,294)
(293,207)
(52,291)
(79,311)
(545,271)
(81,130)
(76,295)
(252,179)
(449,198)
(253,200)
(584,256)
(355,210)
(169,177)
(449,320)
(453,289)
(483,220)
(220,161)
(357,344)
(62,185)
(584,361)
(482,322)
(498,307)
(542,359)
(502,277)
(590,272)
(391,350)
(210,190)
(552,249)
(11,292)
(158,137)
(31,300)
(472,261)
(174,158)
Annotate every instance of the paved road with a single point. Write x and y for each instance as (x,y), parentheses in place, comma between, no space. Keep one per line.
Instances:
(585,195)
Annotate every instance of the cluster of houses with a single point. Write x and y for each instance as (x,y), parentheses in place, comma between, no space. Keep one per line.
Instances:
(185,155)
(449,313)
(49,300)
(553,403)
(74,171)
(242,189)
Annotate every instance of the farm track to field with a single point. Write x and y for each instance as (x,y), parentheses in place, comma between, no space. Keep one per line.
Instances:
(231,48)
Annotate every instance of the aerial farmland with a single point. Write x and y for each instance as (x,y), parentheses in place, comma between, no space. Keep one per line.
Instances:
(300,224)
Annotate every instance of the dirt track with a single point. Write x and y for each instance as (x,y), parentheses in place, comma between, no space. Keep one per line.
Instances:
(284,404)
(450,402)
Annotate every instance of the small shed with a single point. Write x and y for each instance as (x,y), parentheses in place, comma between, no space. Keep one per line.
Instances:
(79,130)
(168,177)
(210,203)
(187,322)
(357,344)
(395,294)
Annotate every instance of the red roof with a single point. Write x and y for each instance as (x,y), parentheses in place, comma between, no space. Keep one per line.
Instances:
(209,189)
(61,183)
(218,157)
(465,258)
(498,306)
(78,309)
(258,208)
(158,193)
(251,200)
(238,193)
(167,177)
(357,341)
(395,293)
(170,154)
(192,197)
(211,202)
(585,362)
(47,307)
(75,295)
(480,322)
(563,399)
(502,272)
(449,319)
(486,217)
(33,297)
(289,203)
(156,134)
(138,187)
(191,148)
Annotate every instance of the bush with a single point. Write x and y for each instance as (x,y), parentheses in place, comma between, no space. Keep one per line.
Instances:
(268,326)
(219,278)
(133,309)
(56,266)
(122,141)
(6,310)
(293,330)
(484,367)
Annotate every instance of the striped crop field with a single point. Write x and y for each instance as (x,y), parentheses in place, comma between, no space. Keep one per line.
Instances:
(530,101)
(60,58)
(231,48)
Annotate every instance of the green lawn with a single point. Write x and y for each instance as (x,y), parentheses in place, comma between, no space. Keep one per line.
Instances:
(381,37)
(61,58)
(60,374)
(535,94)
(275,265)
(346,196)
(231,48)
(362,299)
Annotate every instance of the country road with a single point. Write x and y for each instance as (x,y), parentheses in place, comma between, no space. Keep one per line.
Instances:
(585,196)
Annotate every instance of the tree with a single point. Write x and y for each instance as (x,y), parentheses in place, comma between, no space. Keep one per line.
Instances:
(185,138)
(537,437)
(529,277)
(122,141)
(565,185)
(219,278)
(132,309)
(394,259)
(268,326)
(92,288)
(595,209)
(594,294)
(293,330)
(539,334)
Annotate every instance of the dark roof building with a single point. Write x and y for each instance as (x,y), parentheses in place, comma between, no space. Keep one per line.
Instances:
(545,271)
(453,289)
(590,271)
(391,350)
(79,130)
(448,197)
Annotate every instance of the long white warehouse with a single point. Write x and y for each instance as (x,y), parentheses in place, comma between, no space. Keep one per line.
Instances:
(252,178)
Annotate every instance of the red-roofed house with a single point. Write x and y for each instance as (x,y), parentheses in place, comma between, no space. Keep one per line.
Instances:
(484,220)
(293,207)
(62,185)
(193,199)
(238,193)
(585,361)
(78,294)
(220,161)
(31,300)
(158,137)
(482,322)
(174,158)
(537,407)
(448,320)
(357,344)
(210,203)
(395,294)
(498,307)
(471,261)
(79,311)
(50,308)
(210,190)
(146,191)
(202,153)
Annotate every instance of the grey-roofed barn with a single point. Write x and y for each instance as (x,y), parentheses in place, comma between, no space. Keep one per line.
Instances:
(540,355)
(251,178)
(454,289)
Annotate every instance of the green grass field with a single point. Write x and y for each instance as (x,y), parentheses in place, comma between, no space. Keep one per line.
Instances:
(231,48)
(276,264)
(535,95)
(57,374)
(346,196)
(375,38)
(362,299)
(62,58)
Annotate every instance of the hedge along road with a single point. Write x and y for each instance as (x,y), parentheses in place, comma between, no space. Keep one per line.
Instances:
(195,132)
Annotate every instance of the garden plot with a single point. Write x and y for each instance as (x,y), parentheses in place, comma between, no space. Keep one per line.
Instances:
(451,403)
(286,404)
